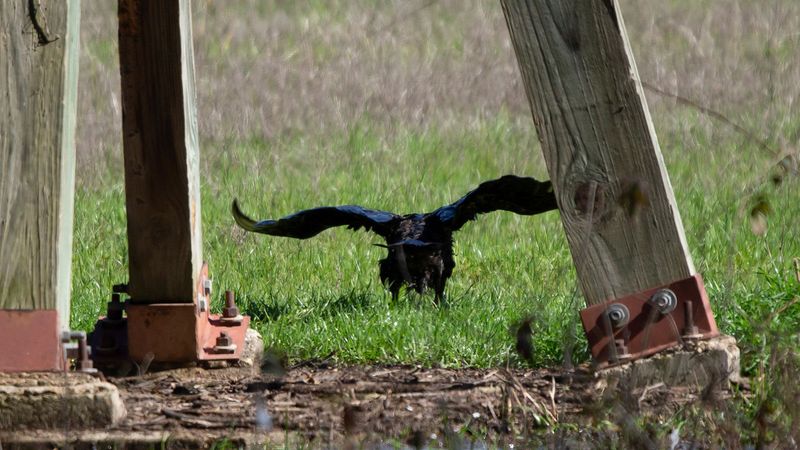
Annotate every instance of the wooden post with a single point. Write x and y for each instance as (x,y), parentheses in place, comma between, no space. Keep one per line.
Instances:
(39,76)
(616,201)
(161,151)
(168,318)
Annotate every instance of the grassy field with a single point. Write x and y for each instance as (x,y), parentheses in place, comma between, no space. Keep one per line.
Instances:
(405,107)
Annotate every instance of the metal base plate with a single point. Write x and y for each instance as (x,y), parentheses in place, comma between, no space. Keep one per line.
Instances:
(177,332)
(30,341)
(647,331)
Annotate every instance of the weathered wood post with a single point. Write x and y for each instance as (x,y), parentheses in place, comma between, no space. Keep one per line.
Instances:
(167,313)
(162,177)
(39,78)
(616,201)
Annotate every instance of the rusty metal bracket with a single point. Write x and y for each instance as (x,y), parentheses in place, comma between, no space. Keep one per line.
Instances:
(173,333)
(648,322)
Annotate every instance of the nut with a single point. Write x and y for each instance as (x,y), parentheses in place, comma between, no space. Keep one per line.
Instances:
(224,343)
(224,340)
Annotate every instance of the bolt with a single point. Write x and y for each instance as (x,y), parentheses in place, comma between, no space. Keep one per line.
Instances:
(690,330)
(618,314)
(114,308)
(207,286)
(83,362)
(230,310)
(664,300)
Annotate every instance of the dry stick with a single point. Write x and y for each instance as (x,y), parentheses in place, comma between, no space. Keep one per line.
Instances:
(675,330)
(403,17)
(145,365)
(651,318)
(538,407)
(715,114)
(553,398)
(647,389)
(780,310)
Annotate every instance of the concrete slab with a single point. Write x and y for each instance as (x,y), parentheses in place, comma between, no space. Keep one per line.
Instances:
(57,400)
(695,364)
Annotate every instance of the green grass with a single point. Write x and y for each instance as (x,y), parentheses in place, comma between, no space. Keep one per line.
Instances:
(405,106)
(322,296)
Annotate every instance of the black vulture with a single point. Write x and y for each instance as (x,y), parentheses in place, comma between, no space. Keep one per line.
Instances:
(420,246)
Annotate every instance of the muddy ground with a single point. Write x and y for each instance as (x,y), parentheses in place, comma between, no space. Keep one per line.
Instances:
(320,405)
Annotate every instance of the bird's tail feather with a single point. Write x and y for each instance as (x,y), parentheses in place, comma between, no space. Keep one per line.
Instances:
(241,219)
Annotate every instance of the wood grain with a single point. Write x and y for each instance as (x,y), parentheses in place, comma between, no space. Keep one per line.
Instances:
(161,151)
(616,201)
(38,79)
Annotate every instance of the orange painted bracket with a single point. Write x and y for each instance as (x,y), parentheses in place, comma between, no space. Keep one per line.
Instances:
(30,341)
(648,322)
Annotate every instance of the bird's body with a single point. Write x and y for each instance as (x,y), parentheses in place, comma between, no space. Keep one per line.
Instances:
(420,255)
(420,246)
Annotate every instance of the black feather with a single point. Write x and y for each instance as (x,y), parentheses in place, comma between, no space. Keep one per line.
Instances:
(521,195)
(420,245)
(311,222)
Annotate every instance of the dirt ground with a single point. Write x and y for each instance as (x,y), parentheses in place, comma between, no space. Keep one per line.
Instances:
(321,405)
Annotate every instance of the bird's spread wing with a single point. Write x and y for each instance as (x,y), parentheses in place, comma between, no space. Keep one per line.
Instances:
(521,195)
(310,222)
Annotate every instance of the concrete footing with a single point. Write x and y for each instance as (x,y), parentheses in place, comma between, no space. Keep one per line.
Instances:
(253,349)
(695,364)
(64,401)
(57,400)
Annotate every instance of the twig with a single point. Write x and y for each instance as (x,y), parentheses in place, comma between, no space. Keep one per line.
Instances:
(715,114)
(401,18)
(191,420)
(538,407)
(780,310)
(553,397)
(647,390)
(142,368)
